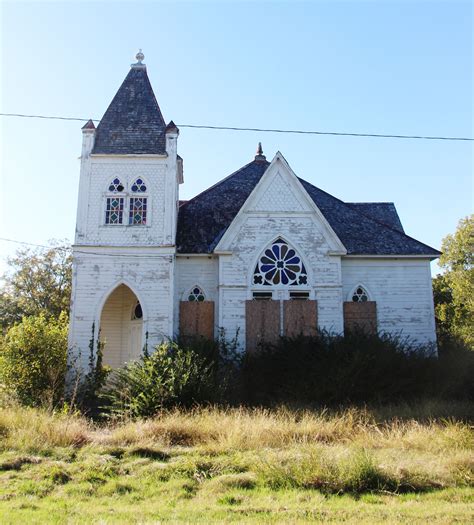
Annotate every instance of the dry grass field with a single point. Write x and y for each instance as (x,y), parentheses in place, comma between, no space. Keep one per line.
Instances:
(396,465)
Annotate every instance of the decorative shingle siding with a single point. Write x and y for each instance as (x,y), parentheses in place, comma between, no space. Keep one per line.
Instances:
(127,170)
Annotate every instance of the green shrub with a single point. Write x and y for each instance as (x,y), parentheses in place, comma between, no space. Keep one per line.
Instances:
(357,367)
(33,360)
(170,376)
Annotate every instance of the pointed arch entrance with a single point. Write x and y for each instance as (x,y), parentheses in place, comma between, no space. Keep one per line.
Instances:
(121,327)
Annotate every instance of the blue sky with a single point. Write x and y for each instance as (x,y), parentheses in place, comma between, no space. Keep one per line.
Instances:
(378,67)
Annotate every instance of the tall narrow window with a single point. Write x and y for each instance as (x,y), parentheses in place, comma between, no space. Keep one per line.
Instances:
(280,265)
(137,211)
(114,210)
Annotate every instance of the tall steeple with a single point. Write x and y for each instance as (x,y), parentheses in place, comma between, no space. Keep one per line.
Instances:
(133,123)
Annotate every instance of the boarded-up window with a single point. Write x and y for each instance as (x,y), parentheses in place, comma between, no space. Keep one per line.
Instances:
(196,319)
(300,317)
(262,319)
(360,316)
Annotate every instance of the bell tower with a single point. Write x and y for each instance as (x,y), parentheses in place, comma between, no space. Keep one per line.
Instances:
(124,251)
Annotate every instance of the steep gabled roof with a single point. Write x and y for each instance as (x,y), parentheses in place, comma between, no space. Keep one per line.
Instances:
(362,235)
(203,220)
(364,229)
(133,122)
(384,212)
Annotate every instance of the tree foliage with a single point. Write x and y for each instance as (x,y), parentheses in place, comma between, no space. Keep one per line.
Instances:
(38,281)
(33,360)
(454,289)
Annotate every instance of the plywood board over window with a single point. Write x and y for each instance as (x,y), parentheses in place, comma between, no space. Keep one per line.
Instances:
(196,319)
(262,320)
(300,318)
(360,316)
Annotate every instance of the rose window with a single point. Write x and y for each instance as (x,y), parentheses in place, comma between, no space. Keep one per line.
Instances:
(280,265)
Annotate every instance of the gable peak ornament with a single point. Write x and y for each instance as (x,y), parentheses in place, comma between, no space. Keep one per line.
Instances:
(260,155)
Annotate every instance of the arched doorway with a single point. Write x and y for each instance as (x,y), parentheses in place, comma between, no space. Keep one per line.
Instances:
(121,327)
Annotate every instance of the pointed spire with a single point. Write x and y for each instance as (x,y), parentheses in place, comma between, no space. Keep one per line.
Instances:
(260,156)
(89,125)
(133,123)
(171,128)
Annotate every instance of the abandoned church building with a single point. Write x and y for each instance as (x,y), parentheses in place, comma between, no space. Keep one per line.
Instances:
(262,253)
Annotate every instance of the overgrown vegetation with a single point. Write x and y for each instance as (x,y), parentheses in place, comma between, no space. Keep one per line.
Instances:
(168,377)
(33,360)
(357,368)
(248,465)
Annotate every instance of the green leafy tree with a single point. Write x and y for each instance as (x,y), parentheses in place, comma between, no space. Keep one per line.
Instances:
(33,360)
(454,289)
(38,280)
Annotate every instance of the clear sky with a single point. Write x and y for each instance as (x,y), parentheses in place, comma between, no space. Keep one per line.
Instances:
(402,67)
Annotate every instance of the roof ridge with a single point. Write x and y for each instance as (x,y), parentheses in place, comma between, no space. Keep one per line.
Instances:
(222,181)
(403,234)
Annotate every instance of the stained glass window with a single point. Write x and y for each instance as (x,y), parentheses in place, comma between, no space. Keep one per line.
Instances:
(196,294)
(114,210)
(360,295)
(137,211)
(116,186)
(138,186)
(280,265)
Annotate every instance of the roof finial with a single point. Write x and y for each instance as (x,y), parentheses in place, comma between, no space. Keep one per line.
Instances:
(139,64)
(260,155)
(139,56)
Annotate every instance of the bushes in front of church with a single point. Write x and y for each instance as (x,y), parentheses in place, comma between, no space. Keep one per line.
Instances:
(33,360)
(169,376)
(355,368)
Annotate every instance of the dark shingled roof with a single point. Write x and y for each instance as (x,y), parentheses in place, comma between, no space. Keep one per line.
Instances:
(133,122)
(365,229)
(384,212)
(202,221)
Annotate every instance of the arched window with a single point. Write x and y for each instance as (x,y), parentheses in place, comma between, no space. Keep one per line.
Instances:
(137,312)
(196,294)
(280,265)
(360,295)
(138,205)
(114,204)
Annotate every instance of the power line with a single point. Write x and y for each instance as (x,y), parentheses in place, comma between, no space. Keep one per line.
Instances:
(77,251)
(267,130)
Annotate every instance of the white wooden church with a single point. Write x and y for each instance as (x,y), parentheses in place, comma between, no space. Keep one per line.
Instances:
(262,253)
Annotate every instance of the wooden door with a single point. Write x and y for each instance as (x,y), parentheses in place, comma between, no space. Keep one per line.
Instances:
(134,347)
(262,321)
(300,317)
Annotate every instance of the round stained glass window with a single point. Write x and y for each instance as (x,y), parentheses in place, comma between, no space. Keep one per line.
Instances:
(280,265)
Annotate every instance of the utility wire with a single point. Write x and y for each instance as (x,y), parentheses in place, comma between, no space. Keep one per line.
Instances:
(78,251)
(264,130)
